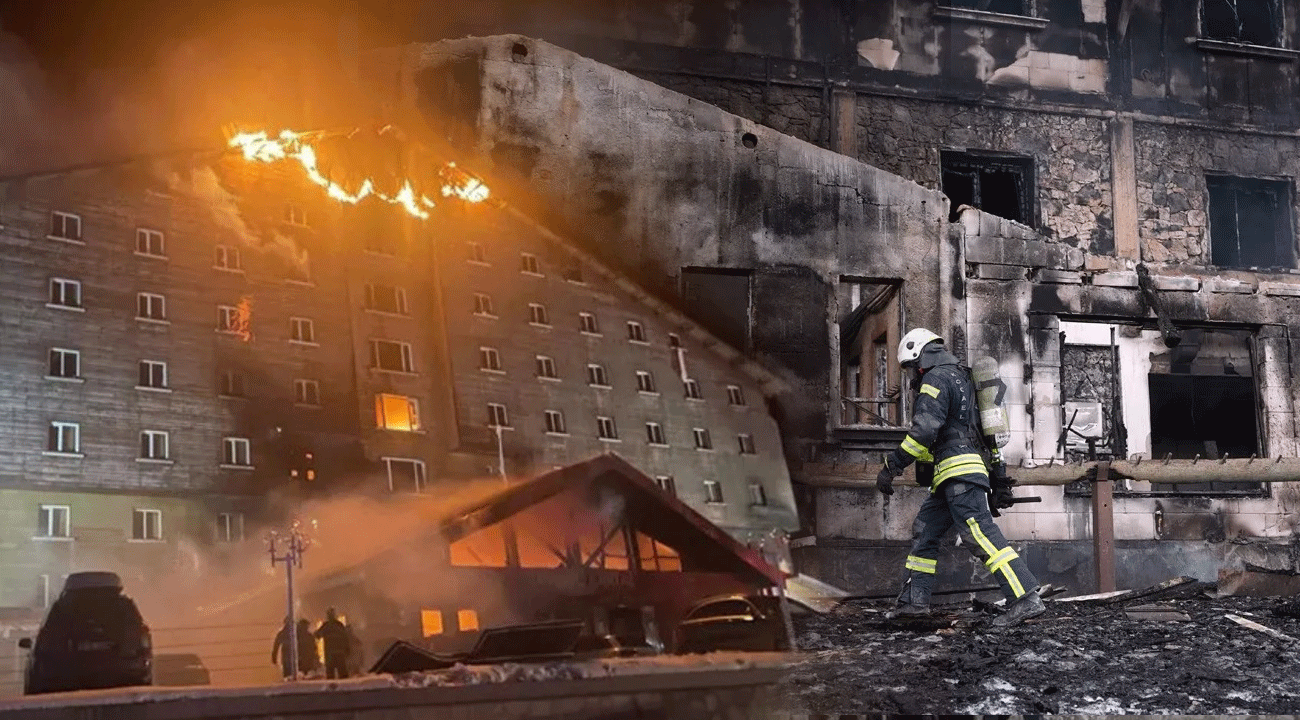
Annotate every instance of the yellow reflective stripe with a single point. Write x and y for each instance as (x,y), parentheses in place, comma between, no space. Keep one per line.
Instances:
(996,562)
(965,464)
(1004,565)
(921,564)
(914,448)
(930,390)
(955,459)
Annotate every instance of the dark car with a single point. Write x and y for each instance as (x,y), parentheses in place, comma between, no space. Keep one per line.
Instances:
(599,647)
(92,637)
(733,622)
(178,669)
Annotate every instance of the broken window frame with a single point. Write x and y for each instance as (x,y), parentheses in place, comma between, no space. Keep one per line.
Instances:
(417,475)
(1216,18)
(975,164)
(1224,241)
(875,312)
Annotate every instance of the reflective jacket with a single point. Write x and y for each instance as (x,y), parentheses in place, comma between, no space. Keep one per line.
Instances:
(945,428)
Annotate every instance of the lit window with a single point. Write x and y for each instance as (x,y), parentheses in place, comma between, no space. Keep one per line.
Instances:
(65,437)
(702,439)
(645,382)
(430,623)
(236,452)
(735,395)
(65,364)
(746,444)
(713,492)
(654,433)
(295,215)
(302,330)
(757,495)
(146,524)
(555,422)
(391,356)
(635,331)
(476,254)
(587,323)
(153,374)
(230,527)
(483,305)
(596,376)
(306,392)
(386,299)
(65,293)
(150,307)
(228,258)
(605,428)
(154,445)
(397,412)
(65,226)
(667,484)
(149,242)
(537,314)
(546,368)
(405,474)
(489,359)
(498,416)
(54,522)
(692,389)
(466,620)
(230,384)
(528,264)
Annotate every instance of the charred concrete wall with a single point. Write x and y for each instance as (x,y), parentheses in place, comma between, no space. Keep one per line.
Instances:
(660,184)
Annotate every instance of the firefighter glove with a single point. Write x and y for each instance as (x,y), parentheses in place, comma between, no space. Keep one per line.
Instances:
(1001,498)
(885,480)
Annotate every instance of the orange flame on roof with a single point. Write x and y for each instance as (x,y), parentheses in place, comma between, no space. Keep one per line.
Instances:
(290,145)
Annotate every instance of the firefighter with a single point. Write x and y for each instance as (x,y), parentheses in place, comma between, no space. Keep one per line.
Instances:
(945,440)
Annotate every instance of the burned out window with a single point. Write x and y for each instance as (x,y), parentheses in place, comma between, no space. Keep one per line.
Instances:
(1001,185)
(721,298)
(1009,7)
(1250,222)
(1254,22)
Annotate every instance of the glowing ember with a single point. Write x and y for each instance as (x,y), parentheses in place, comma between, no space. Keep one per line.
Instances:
(289,145)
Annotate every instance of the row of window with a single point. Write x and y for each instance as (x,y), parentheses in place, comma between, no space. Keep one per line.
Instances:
(713,490)
(539,315)
(153,243)
(529,264)
(498,416)
(65,439)
(55,523)
(598,376)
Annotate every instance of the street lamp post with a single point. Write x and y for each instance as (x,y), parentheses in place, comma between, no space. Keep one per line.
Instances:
(295,542)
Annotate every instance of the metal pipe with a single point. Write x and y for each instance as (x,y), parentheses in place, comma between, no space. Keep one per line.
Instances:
(1170,471)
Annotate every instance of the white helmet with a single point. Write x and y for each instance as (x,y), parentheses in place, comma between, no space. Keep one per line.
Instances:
(909,348)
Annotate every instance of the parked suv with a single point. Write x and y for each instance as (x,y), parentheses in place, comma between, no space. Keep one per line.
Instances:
(93,637)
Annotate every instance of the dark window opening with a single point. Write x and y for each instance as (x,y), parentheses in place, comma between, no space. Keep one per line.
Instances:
(1009,7)
(721,299)
(1255,22)
(998,185)
(1250,222)
(1203,415)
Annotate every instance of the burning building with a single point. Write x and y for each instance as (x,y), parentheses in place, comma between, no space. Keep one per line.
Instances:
(199,342)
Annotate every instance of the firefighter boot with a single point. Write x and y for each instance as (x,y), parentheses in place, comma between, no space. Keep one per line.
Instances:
(1029,605)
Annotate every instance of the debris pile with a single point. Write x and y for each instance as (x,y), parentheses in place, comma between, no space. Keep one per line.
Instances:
(1178,648)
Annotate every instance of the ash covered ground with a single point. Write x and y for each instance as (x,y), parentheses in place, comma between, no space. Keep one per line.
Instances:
(1079,658)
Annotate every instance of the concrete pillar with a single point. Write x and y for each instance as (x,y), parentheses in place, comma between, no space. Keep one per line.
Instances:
(844,122)
(1123,183)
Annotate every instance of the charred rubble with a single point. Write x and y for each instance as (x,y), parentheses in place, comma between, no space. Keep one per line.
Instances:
(1187,651)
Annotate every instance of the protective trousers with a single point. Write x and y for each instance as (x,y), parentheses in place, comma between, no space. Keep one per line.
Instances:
(966,506)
